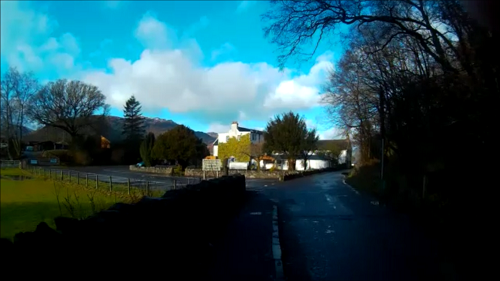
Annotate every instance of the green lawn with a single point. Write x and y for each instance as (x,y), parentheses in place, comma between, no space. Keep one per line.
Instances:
(25,203)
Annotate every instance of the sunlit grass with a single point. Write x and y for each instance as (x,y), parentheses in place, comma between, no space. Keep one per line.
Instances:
(25,203)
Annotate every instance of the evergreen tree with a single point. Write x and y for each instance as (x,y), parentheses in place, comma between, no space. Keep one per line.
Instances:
(180,144)
(288,134)
(146,148)
(133,127)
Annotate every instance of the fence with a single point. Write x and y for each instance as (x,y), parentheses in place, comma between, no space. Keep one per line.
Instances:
(113,183)
(10,163)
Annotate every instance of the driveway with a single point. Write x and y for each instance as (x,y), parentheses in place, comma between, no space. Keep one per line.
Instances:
(331,232)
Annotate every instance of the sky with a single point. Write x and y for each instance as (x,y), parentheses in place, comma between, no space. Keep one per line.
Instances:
(201,64)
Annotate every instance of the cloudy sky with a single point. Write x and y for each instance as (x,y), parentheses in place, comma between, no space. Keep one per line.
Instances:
(202,64)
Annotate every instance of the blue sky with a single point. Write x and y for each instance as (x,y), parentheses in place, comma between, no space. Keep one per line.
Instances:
(202,64)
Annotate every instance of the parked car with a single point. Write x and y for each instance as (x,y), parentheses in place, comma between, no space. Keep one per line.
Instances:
(140,164)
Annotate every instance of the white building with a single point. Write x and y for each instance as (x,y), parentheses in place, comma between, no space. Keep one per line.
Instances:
(236,131)
(316,159)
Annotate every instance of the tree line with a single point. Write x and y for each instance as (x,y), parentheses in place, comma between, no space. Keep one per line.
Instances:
(416,89)
(80,110)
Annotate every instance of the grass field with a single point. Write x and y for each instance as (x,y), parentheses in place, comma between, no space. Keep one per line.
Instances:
(27,202)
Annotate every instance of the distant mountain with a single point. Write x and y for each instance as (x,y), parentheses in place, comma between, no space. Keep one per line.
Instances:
(114,132)
(25,131)
(213,135)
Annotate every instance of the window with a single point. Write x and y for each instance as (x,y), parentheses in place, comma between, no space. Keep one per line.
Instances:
(227,138)
(253,136)
(239,136)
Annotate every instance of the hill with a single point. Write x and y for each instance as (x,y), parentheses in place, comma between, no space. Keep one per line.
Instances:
(25,131)
(114,131)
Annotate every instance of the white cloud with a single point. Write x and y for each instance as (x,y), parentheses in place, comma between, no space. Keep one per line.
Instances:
(225,49)
(244,5)
(172,78)
(28,44)
(333,133)
(167,75)
(151,32)
(196,27)
(311,124)
(219,128)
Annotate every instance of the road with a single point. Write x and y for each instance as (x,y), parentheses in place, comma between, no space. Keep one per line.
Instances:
(121,173)
(329,231)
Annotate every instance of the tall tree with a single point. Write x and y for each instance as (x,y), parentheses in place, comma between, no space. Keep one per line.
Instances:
(288,134)
(17,90)
(146,149)
(133,127)
(180,144)
(73,106)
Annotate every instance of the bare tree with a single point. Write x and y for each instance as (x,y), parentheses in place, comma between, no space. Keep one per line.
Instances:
(294,24)
(72,106)
(17,90)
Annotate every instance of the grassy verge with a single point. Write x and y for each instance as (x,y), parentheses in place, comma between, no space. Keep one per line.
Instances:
(366,179)
(27,202)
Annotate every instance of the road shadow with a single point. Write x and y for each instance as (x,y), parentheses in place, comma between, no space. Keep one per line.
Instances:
(293,257)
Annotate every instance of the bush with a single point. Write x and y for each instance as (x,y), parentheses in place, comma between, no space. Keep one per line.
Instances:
(177,171)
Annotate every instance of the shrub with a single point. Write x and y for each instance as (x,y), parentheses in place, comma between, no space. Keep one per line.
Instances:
(177,171)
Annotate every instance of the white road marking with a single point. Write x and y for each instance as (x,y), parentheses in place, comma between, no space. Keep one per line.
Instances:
(351,187)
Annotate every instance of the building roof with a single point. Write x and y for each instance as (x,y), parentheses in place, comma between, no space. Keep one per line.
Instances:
(342,144)
(216,142)
(242,129)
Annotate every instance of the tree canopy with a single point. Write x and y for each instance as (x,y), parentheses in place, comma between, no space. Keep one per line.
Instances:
(180,144)
(72,106)
(288,134)
(240,149)
(147,148)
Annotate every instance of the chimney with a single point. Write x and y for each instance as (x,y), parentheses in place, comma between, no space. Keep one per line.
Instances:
(234,126)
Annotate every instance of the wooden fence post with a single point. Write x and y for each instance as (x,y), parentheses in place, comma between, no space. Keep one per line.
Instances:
(77,177)
(110,184)
(96,181)
(147,188)
(69,176)
(128,186)
(175,183)
(62,175)
(86,180)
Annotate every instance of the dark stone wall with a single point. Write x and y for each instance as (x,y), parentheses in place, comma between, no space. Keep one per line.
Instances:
(168,237)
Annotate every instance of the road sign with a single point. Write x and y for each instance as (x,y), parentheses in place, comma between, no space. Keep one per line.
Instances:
(211,165)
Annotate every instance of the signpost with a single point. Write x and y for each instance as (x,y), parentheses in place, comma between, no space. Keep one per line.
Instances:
(211,165)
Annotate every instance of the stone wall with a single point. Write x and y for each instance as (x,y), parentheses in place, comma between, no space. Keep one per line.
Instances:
(251,174)
(157,170)
(171,236)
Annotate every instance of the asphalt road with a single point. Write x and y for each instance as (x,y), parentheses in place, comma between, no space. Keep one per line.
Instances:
(123,172)
(331,232)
